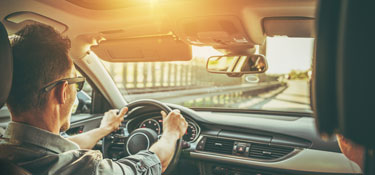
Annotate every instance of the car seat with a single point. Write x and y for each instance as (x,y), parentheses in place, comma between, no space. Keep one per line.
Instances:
(342,91)
(6,72)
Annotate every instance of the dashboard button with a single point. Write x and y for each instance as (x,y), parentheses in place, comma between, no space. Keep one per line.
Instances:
(201,143)
(235,148)
(247,150)
(241,149)
(185,144)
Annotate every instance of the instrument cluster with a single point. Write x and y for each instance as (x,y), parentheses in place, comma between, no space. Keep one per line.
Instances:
(156,124)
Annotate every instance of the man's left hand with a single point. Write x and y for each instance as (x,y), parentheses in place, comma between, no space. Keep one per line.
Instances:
(111,120)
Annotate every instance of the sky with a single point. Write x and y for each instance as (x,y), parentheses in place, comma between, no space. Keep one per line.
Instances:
(283,54)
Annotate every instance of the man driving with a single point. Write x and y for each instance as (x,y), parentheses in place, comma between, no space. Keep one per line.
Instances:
(44,89)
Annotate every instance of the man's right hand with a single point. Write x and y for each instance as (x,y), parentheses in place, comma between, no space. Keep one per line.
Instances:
(174,127)
(174,124)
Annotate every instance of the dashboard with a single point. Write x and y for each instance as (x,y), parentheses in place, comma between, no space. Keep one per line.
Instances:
(233,142)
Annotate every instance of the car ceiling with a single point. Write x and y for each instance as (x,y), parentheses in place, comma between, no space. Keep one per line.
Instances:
(94,20)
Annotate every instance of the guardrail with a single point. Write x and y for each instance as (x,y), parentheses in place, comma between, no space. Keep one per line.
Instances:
(179,96)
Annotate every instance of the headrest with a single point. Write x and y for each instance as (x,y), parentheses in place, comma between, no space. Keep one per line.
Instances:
(6,65)
(343,88)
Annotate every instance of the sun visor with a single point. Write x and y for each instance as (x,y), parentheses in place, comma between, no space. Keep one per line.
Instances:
(217,31)
(144,49)
(289,26)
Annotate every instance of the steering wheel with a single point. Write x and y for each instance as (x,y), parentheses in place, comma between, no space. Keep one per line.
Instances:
(143,138)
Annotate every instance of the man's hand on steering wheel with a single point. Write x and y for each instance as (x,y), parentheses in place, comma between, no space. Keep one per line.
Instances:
(112,119)
(167,148)
(174,123)
(110,122)
(174,127)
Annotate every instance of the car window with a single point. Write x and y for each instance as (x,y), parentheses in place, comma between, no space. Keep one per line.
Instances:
(83,100)
(284,87)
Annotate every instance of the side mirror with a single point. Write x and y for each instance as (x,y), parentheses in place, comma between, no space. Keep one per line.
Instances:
(237,65)
(84,105)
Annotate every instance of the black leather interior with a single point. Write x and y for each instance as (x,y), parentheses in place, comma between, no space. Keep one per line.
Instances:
(343,89)
(324,84)
(6,74)
(355,67)
(6,65)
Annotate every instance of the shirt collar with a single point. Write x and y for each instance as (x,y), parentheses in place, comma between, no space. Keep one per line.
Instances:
(23,133)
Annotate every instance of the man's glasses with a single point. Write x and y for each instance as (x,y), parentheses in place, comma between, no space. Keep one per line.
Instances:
(78,81)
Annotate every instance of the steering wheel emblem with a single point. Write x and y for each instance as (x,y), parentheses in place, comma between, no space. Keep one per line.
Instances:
(140,139)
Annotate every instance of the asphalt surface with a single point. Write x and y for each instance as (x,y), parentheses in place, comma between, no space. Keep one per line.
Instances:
(295,97)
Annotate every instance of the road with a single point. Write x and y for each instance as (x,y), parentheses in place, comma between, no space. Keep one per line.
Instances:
(211,96)
(295,97)
(292,97)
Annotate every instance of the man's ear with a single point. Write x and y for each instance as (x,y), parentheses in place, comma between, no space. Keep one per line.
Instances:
(343,141)
(61,92)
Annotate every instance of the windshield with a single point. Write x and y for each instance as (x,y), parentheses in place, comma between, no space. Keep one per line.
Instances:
(284,87)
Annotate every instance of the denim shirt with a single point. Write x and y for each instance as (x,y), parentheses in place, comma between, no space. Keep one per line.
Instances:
(42,152)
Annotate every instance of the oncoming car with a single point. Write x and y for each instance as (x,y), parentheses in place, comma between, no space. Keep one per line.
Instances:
(240,72)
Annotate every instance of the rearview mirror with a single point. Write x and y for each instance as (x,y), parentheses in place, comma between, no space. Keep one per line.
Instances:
(237,65)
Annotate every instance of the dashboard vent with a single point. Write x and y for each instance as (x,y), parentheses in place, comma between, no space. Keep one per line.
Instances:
(267,152)
(222,146)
